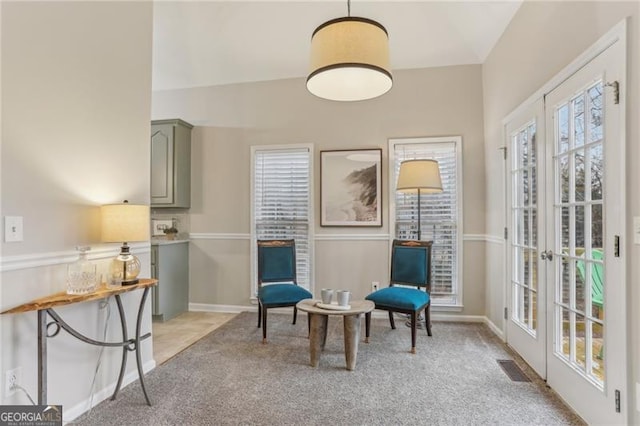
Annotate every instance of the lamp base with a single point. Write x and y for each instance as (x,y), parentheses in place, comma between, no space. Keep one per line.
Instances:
(124,268)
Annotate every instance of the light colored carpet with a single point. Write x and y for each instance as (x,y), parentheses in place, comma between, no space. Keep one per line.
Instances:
(230,378)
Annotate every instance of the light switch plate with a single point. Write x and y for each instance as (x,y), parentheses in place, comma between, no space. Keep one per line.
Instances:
(636,230)
(12,229)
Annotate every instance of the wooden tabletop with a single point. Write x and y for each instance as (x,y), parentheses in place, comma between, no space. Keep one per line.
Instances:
(357,307)
(62,298)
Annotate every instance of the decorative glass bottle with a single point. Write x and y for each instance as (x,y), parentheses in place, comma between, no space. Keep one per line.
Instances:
(81,274)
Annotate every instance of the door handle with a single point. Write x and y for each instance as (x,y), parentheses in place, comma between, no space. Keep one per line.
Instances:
(546,255)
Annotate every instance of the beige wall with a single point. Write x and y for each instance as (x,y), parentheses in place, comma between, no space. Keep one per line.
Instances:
(230,119)
(542,39)
(76,102)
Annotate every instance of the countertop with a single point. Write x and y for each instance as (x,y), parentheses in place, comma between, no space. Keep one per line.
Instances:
(162,241)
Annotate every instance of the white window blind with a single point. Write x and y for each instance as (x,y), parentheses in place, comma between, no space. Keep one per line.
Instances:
(440,213)
(282,202)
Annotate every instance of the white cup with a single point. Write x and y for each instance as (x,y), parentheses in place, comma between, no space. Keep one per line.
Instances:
(327,295)
(343,297)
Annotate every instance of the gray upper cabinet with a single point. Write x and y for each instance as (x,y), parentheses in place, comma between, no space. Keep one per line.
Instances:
(171,163)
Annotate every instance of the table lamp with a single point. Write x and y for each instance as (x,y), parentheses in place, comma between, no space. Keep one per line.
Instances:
(125,223)
(419,176)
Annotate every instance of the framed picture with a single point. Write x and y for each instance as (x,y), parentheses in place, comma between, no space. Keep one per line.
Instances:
(351,187)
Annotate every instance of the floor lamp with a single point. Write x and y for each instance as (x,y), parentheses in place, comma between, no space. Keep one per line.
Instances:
(419,176)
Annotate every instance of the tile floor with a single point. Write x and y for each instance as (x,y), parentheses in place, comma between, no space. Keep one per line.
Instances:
(173,336)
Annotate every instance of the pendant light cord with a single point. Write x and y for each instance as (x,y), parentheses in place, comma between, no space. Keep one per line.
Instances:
(349,8)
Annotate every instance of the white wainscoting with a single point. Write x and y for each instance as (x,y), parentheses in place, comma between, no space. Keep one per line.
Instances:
(12,263)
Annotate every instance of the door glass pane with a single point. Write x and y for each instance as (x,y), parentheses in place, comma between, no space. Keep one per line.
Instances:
(527,269)
(595,113)
(525,188)
(579,231)
(525,227)
(526,306)
(565,287)
(579,175)
(565,229)
(597,175)
(565,337)
(524,148)
(563,128)
(579,285)
(597,351)
(563,174)
(578,120)
(596,227)
(534,269)
(581,342)
(534,309)
(534,227)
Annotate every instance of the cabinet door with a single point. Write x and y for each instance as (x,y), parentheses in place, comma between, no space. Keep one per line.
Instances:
(162,151)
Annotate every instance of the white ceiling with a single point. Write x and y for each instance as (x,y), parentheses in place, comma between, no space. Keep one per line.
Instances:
(206,43)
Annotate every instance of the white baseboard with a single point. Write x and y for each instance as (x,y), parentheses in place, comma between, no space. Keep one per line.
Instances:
(235,309)
(496,330)
(82,407)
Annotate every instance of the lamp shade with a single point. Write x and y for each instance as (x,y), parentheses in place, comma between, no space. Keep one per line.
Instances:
(125,222)
(349,60)
(419,174)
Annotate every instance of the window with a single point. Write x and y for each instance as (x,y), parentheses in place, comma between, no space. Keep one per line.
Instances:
(440,214)
(281,202)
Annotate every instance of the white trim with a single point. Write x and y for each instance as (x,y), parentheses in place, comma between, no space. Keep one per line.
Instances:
(457,141)
(483,238)
(81,407)
(311,215)
(231,309)
(495,239)
(35,260)
(218,236)
(352,237)
(337,237)
(496,330)
(446,308)
(236,309)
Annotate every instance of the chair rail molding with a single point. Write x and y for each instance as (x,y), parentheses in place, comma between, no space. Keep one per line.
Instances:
(35,260)
(336,237)
(218,236)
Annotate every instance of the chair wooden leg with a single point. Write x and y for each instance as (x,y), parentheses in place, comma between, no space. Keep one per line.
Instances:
(259,314)
(427,318)
(367,326)
(295,314)
(414,321)
(391,320)
(264,325)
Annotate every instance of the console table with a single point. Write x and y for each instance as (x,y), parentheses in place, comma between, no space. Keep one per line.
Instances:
(45,306)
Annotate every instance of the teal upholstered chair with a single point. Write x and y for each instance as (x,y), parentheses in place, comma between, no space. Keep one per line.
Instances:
(410,266)
(277,284)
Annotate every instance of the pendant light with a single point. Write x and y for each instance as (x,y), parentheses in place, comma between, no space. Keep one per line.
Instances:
(349,59)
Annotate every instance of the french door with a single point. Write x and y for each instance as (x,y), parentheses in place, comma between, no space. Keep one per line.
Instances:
(566,280)
(526,322)
(586,354)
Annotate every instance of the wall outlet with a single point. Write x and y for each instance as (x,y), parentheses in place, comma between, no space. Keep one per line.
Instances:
(375,285)
(12,378)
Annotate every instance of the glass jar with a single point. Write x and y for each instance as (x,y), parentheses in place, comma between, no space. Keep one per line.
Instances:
(81,274)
